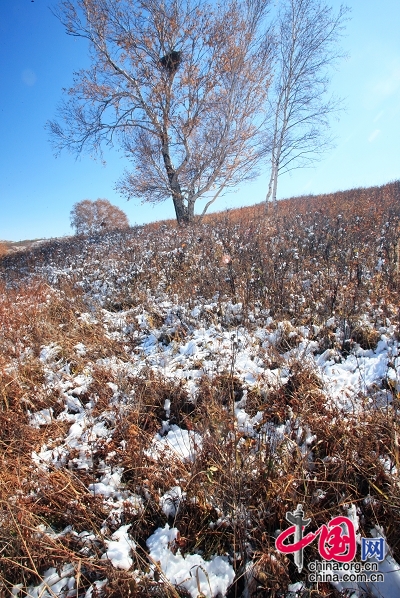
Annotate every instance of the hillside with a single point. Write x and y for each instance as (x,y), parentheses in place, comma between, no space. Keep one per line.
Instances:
(16,246)
(168,395)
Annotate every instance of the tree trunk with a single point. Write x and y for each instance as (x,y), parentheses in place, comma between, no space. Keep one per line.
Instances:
(182,212)
(190,210)
(275,188)
(273,183)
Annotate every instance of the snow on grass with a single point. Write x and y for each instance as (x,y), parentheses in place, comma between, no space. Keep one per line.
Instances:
(204,351)
(178,443)
(119,549)
(171,500)
(243,348)
(209,578)
(358,373)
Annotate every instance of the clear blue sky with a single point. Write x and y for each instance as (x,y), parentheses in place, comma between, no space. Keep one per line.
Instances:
(37,59)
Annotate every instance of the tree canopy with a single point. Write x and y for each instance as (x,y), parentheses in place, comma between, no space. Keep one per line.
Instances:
(305,48)
(180,85)
(91,217)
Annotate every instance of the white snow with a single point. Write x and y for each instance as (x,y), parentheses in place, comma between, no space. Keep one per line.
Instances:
(205,348)
(171,500)
(178,443)
(197,576)
(119,549)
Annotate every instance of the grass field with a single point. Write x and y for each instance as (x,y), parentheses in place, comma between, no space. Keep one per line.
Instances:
(167,395)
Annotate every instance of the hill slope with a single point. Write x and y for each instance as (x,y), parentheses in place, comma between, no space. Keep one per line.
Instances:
(168,395)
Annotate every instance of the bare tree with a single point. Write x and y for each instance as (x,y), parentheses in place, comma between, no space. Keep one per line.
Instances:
(90,217)
(305,49)
(180,84)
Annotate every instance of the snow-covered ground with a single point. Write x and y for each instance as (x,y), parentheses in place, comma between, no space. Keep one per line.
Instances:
(205,350)
(159,404)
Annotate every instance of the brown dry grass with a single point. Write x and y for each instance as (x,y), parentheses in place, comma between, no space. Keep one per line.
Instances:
(239,487)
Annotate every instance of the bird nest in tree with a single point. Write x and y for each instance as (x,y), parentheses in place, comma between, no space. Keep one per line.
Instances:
(171,61)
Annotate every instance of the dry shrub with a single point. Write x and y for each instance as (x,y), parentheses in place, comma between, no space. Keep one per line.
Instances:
(256,398)
(121,584)
(268,575)
(31,548)
(313,257)
(151,391)
(21,388)
(366,336)
(238,489)
(62,497)
(287,337)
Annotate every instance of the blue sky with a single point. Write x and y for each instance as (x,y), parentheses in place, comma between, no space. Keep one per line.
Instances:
(37,60)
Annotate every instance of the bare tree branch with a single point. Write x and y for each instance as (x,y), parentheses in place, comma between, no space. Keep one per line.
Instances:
(181,85)
(306,48)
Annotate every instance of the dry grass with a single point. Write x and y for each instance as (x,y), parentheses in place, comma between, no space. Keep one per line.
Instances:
(314,259)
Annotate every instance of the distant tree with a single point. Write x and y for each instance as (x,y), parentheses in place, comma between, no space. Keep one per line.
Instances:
(305,48)
(89,217)
(179,84)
